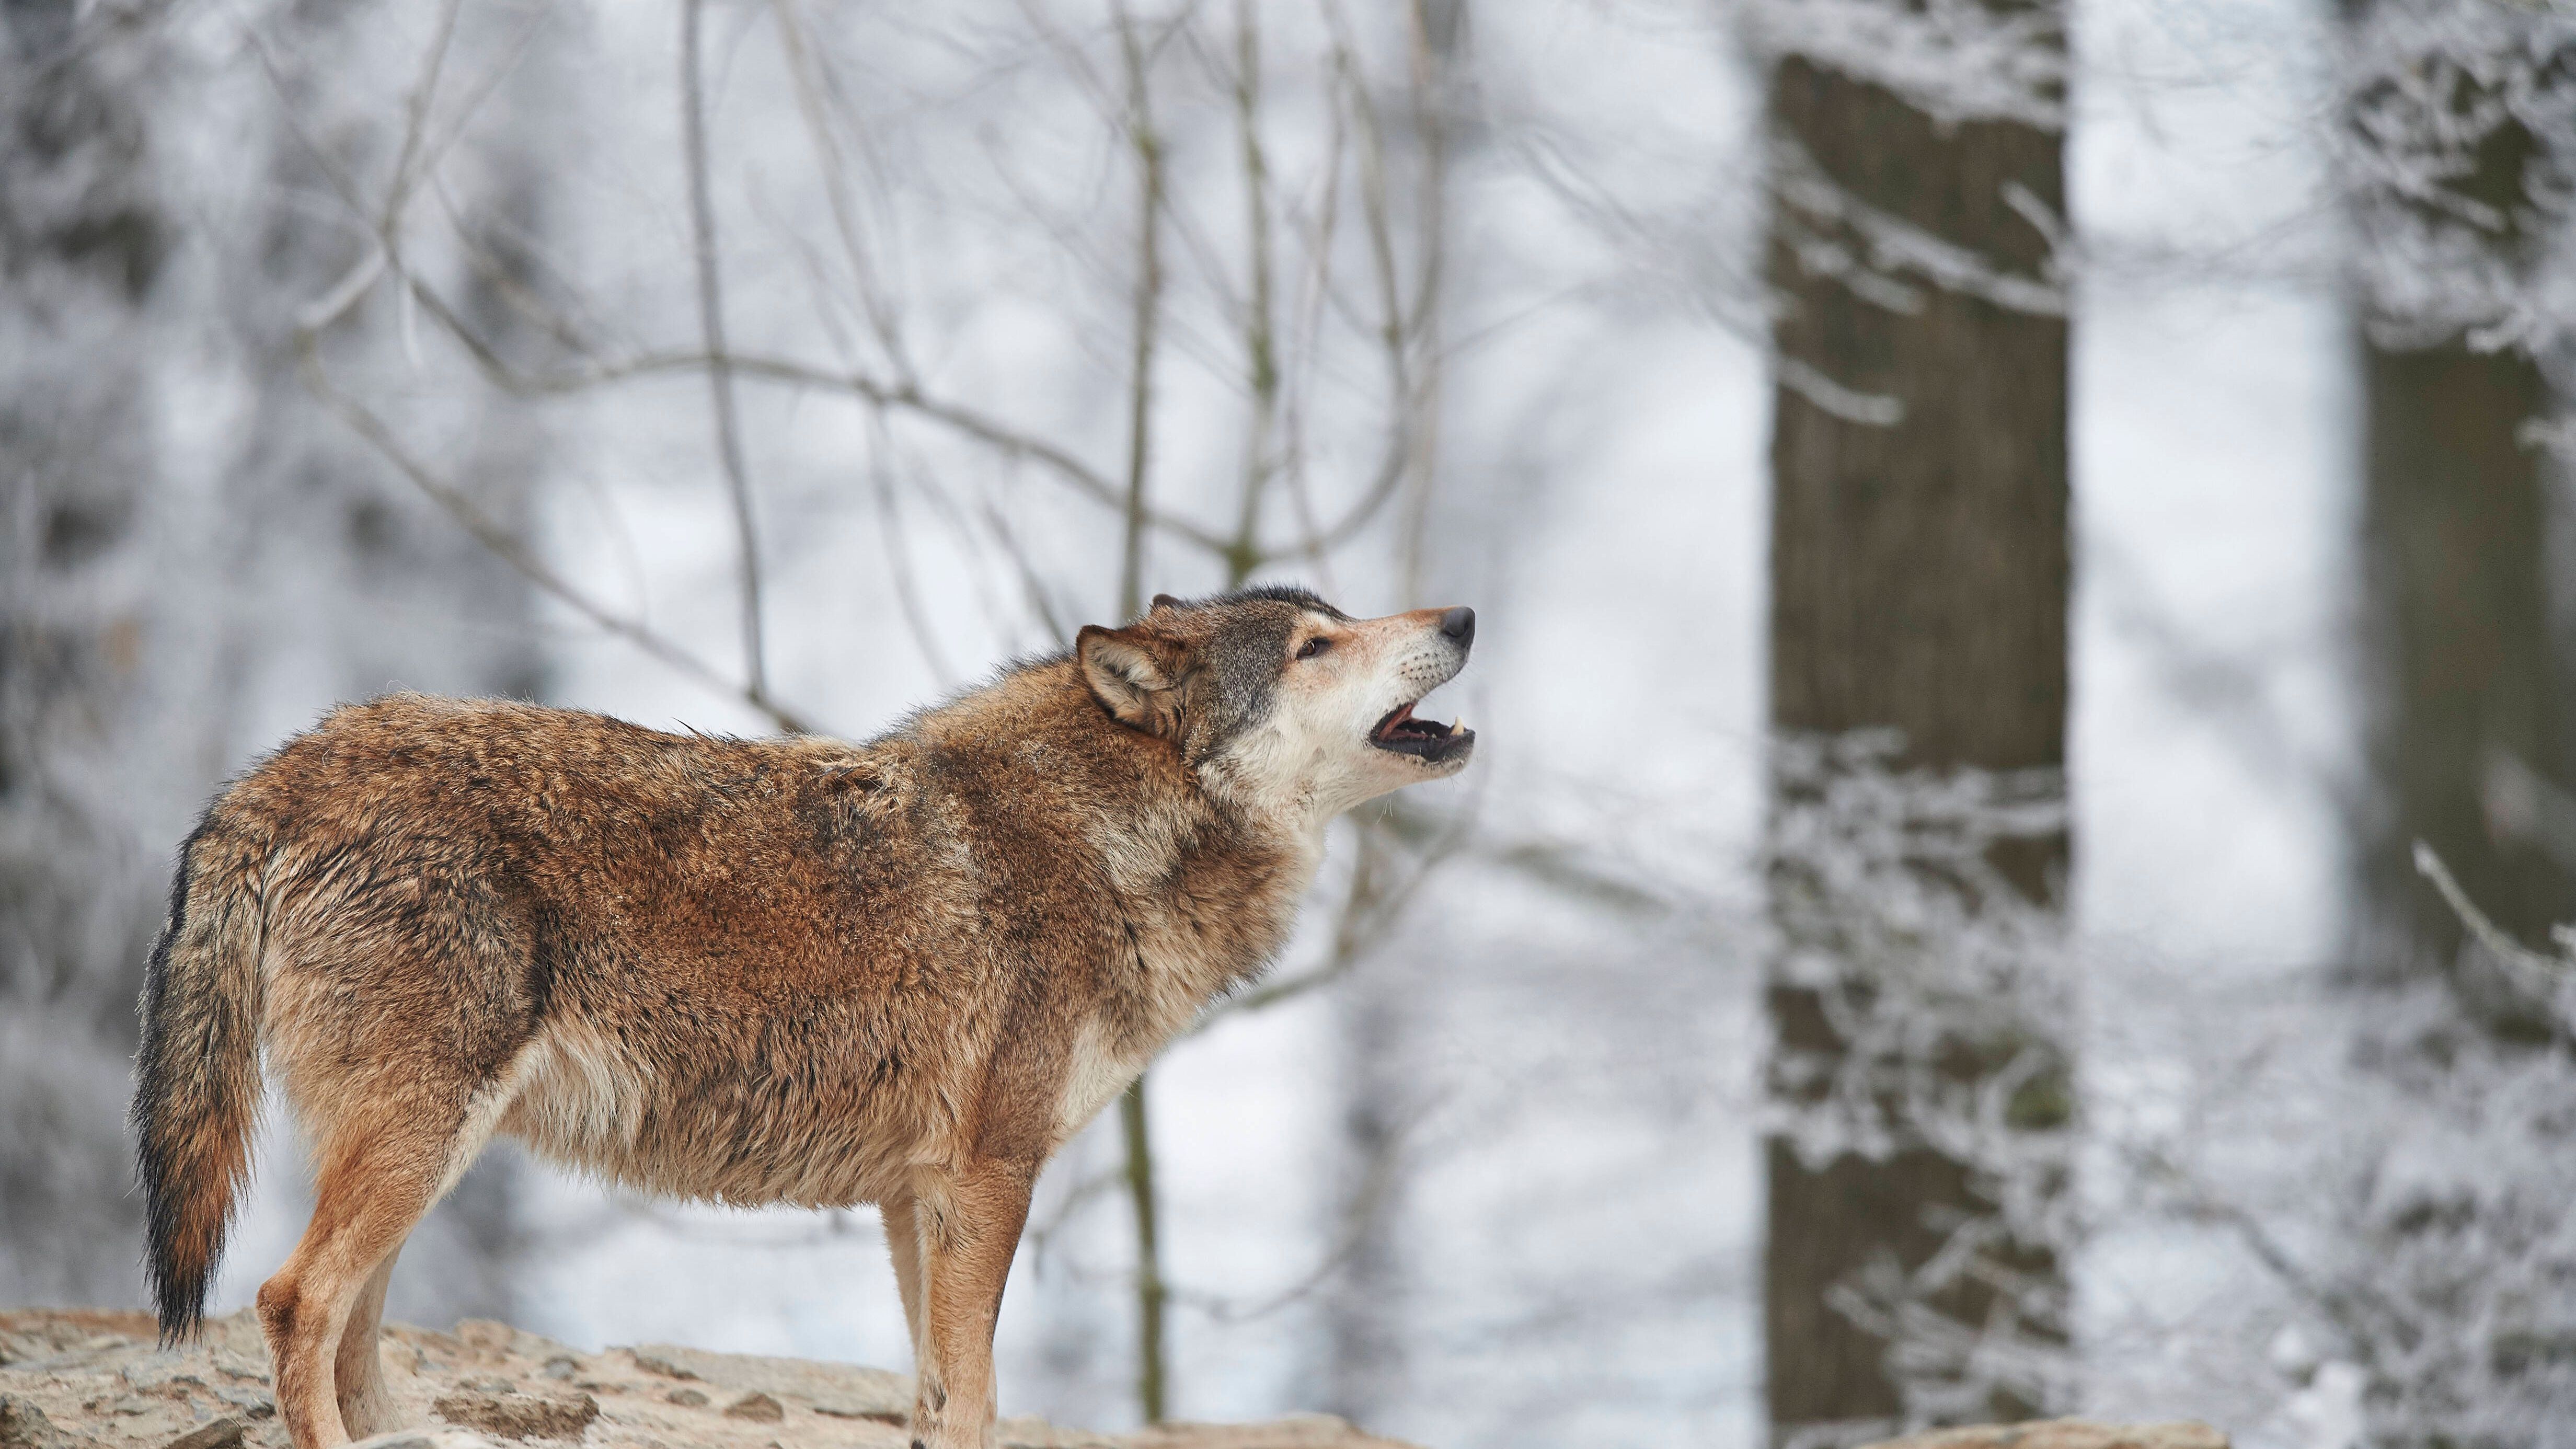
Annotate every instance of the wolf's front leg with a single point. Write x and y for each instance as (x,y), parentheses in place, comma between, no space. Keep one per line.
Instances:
(969,1226)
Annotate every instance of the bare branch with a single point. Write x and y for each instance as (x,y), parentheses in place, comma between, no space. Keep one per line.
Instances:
(906,397)
(1031,582)
(1260,332)
(1553,864)
(1432,63)
(2360,1316)
(1369,908)
(804,69)
(1392,326)
(1039,1236)
(504,281)
(2543,978)
(1147,314)
(506,545)
(1367,1203)
(898,555)
(1315,288)
(385,256)
(424,91)
(1348,941)
(702,222)
(1152,1377)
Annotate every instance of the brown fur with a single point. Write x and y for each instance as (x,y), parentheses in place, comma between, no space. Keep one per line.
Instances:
(778,971)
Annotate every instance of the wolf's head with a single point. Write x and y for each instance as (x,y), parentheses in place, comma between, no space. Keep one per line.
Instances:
(1283,702)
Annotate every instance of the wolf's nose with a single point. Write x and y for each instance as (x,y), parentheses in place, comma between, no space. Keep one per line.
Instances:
(1459,624)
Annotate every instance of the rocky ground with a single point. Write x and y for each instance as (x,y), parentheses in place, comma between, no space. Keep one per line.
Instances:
(73,1379)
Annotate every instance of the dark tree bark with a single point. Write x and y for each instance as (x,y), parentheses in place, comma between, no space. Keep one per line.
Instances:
(2469,727)
(1919,554)
(2472,747)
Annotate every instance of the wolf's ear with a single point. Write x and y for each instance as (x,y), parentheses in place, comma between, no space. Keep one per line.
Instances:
(1162,602)
(1135,676)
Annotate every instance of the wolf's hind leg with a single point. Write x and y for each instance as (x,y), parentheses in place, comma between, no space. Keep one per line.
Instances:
(377,1179)
(358,1372)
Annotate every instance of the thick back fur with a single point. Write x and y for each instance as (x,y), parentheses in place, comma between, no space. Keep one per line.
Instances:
(198,1072)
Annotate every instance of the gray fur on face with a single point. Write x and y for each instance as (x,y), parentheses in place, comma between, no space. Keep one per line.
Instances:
(1244,655)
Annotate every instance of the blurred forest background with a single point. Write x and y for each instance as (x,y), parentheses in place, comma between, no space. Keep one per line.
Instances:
(2000,525)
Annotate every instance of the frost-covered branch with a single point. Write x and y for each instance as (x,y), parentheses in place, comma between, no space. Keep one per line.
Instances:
(2459,149)
(1955,60)
(1877,255)
(1941,1010)
(2544,981)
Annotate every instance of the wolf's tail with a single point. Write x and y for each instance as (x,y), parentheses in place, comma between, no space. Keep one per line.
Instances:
(196,1089)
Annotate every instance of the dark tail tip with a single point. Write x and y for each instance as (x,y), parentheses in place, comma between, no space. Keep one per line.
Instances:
(179,1290)
(179,1252)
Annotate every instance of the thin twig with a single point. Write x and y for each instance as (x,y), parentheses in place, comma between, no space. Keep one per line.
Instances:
(898,555)
(1369,910)
(2541,977)
(1032,583)
(408,164)
(1367,1203)
(702,225)
(2359,1315)
(804,69)
(1147,312)
(1390,327)
(424,92)
(1315,285)
(1037,1237)
(507,546)
(902,396)
(1260,339)
(492,271)
(1432,65)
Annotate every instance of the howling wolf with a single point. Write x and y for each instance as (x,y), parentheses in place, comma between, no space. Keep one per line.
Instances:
(802,970)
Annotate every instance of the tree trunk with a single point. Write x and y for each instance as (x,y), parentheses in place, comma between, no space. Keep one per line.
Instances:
(2472,749)
(2466,684)
(1366,1367)
(1919,555)
(2470,744)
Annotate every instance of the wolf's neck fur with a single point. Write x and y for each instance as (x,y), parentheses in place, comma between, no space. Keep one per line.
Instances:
(1206,888)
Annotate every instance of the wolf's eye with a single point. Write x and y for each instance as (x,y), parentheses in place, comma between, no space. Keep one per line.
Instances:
(1313,647)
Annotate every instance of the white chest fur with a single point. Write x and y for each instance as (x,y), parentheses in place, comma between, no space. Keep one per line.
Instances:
(1095,1071)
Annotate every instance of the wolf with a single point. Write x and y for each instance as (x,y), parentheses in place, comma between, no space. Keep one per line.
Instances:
(796,970)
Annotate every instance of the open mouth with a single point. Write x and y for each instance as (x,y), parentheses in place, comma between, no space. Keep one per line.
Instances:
(1424,739)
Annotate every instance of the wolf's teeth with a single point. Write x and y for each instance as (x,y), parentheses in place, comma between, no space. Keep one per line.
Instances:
(1458,726)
